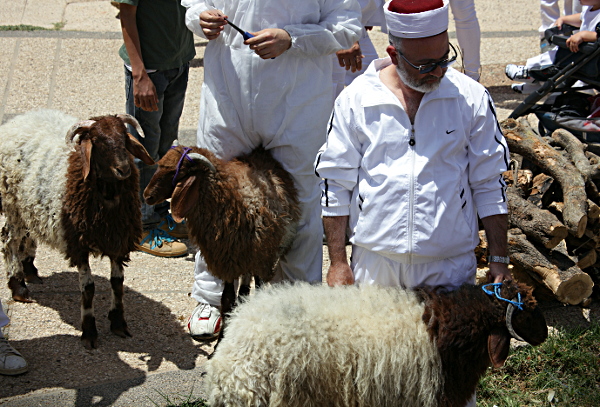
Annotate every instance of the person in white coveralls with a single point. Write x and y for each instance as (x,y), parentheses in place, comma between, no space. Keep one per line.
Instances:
(413,156)
(275,90)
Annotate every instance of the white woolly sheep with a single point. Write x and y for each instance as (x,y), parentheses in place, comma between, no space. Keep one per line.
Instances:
(242,213)
(79,197)
(302,346)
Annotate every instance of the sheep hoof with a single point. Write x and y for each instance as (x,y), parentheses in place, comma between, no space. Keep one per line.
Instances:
(89,343)
(123,332)
(89,335)
(30,271)
(33,279)
(118,326)
(19,290)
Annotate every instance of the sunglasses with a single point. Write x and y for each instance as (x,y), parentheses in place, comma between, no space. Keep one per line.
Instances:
(423,69)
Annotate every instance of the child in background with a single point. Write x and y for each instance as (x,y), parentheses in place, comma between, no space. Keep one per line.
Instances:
(157,50)
(586,20)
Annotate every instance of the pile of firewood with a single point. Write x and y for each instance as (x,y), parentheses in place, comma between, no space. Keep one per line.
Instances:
(554,210)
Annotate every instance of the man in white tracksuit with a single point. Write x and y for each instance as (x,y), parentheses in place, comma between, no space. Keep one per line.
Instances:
(272,90)
(410,160)
(413,154)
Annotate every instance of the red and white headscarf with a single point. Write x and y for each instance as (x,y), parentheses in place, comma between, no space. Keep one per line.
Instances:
(416,18)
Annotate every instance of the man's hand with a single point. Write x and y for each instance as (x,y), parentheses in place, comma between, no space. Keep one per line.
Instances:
(498,273)
(351,58)
(340,274)
(144,93)
(270,43)
(212,22)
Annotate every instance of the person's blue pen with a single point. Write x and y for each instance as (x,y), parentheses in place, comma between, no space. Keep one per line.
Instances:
(245,34)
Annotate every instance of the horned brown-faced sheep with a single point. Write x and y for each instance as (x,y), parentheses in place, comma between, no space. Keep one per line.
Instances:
(241,213)
(307,346)
(79,197)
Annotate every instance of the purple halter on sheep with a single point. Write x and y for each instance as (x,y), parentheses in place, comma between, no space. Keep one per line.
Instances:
(242,213)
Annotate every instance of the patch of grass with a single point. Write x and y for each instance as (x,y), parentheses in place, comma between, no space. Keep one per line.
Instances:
(563,371)
(25,27)
(185,401)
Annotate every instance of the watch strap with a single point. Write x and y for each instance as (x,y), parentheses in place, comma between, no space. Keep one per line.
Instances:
(499,259)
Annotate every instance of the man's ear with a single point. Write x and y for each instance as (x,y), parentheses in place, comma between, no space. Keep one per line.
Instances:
(392,53)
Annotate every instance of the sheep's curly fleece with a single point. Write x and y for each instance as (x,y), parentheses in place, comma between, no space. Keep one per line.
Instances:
(32,199)
(311,366)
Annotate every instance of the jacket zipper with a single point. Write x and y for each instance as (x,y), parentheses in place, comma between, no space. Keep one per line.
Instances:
(411,194)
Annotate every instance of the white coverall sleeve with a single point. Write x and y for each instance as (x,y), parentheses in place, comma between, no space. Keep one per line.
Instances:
(338,162)
(488,159)
(339,28)
(192,15)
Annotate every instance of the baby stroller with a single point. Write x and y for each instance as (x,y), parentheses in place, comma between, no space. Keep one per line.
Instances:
(567,106)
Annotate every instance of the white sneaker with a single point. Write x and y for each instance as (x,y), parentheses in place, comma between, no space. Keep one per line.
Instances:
(205,322)
(513,71)
(11,361)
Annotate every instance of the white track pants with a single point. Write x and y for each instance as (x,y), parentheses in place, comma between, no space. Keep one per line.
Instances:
(373,268)
(468,35)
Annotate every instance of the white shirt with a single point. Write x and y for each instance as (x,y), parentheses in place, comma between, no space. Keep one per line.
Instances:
(414,204)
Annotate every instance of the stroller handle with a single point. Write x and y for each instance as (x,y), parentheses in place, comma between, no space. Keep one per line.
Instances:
(559,37)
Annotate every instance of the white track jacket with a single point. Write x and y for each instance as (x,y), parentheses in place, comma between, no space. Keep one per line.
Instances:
(413,203)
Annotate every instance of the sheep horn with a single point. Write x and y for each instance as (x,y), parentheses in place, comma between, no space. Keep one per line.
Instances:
(73,133)
(200,159)
(129,119)
(509,314)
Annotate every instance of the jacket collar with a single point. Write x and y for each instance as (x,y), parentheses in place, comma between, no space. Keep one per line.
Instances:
(448,88)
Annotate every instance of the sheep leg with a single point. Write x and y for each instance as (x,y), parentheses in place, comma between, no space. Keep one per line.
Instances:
(227,304)
(89,335)
(14,266)
(116,315)
(245,285)
(29,247)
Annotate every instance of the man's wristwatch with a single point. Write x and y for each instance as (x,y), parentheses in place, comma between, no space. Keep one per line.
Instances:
(498,259)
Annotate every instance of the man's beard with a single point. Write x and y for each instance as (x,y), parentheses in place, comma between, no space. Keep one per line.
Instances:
(417,84)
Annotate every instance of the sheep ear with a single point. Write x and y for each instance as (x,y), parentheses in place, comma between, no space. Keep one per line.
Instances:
(498,346)
(183,198)
(85,149)
(137,149)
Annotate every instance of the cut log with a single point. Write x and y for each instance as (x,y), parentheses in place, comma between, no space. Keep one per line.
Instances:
(576,151)
(587,259)
(593,212)
(523,140)
(556,269)
(524,180)
(542,191)
(538,224)
(541,292)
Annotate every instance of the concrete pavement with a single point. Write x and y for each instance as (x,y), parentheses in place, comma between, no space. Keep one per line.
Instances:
(77,69)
